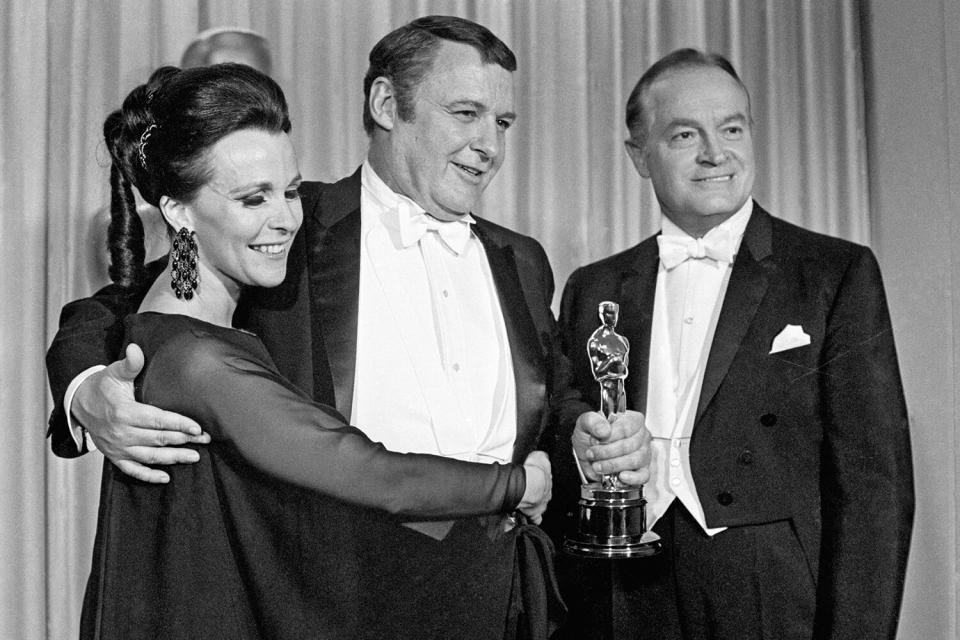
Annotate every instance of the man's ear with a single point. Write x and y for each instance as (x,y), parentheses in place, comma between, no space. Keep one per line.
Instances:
(177,214)
(636,152)
(383,103)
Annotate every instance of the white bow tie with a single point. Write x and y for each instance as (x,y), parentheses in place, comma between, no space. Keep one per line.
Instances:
(413,223)
(716,245)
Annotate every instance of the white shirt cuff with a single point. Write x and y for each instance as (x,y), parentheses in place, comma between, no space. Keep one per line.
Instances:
(77,432)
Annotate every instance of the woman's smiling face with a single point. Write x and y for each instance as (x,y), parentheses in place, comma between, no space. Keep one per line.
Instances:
(248,213)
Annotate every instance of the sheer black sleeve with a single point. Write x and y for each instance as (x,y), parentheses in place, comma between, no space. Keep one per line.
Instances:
(232,388)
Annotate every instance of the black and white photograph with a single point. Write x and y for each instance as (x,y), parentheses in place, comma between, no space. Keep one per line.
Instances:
(480,319)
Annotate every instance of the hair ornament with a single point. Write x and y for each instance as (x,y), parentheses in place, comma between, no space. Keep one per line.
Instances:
(141,148)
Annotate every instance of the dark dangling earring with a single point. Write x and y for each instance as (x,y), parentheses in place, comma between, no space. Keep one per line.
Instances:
(184,277)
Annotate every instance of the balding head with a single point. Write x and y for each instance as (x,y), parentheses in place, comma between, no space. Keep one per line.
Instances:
(228,44)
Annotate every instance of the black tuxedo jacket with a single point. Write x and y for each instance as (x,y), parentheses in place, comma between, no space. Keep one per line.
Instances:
(309,325)
(815,435)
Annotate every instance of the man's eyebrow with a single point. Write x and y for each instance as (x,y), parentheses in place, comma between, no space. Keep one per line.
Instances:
(736,117)
(466,102)
(696,124)
(480,107)
(684,122)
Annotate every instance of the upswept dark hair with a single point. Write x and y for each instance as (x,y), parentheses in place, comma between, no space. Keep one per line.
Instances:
(406,55)
(159,142)
(673,61)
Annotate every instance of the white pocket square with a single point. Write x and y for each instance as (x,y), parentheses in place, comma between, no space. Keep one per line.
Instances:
(791,337)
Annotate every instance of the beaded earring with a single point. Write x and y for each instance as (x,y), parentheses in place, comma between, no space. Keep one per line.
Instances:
(184,278)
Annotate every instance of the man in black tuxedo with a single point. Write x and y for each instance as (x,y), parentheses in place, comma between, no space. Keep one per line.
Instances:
(763,358)
(430,328)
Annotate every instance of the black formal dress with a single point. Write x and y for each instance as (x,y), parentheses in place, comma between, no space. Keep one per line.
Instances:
(254,540)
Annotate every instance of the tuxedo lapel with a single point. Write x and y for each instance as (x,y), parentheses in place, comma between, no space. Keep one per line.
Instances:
(748,284)
(636,294)
(528,364)
(334,253)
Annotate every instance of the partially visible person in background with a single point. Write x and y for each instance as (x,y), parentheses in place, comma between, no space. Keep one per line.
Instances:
(228,44)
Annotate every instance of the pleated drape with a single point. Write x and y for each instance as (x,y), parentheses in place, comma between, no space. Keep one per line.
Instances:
(567,181)
(23,494)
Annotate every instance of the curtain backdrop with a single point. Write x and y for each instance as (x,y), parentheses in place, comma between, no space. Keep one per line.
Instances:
(567,181)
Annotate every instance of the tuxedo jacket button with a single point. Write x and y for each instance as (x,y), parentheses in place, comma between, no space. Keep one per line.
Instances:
(724,498)
(745,457)
(768,419)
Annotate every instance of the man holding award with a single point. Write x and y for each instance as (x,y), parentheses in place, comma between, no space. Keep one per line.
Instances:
(611,519)
(430,327)
(763,358)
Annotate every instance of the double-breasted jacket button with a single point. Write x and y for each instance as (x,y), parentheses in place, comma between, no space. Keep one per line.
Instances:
(745,457)
(768,419)
(724,498)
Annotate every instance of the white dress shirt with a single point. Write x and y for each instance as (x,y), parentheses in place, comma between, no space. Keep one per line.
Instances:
(686,307)
(434,373)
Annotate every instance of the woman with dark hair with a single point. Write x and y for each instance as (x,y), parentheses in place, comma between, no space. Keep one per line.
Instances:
(255,540)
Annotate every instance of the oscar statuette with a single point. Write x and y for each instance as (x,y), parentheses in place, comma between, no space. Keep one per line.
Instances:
(612,521)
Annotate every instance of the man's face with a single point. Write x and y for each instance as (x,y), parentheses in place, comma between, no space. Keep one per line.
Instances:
(447,154)
(699,148)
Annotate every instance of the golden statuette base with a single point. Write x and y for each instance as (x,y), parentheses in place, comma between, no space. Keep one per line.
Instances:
(612,524)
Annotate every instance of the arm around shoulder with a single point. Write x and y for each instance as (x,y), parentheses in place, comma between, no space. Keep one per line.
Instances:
(90,333)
